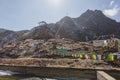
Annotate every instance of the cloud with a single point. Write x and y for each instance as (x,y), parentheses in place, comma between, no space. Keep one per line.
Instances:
(112,12)
(113,9)
(111,3)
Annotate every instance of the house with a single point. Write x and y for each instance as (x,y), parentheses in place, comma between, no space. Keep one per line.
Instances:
(112,44)
(98,43)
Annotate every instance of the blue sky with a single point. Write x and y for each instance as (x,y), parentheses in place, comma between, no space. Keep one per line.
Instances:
(25,14)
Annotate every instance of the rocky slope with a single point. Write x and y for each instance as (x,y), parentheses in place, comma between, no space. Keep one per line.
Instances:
(28,47)
(41,48)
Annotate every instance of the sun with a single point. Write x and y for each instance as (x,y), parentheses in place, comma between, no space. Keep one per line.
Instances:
(55,2)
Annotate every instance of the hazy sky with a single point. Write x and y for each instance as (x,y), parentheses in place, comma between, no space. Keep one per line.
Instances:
(25,14)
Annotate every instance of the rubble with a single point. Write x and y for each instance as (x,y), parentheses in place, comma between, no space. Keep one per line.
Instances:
(43,49)
(24,48)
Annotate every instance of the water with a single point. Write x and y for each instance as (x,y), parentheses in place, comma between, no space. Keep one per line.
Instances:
(30,77)
(48,74)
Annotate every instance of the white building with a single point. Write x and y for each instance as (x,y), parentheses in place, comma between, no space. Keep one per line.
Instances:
(98,43)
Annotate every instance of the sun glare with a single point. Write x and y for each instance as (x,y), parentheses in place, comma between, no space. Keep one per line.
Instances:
(55,2)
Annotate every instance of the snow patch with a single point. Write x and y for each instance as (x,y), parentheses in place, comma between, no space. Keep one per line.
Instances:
(7,73)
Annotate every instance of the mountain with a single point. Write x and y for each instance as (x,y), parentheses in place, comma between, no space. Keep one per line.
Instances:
(89,24)
(66,28)
(83,28)
(98,23)
(7,36)
(39,32)
(20,33)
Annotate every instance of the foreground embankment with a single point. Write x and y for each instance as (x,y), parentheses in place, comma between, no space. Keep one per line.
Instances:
(59,67)
(65,63)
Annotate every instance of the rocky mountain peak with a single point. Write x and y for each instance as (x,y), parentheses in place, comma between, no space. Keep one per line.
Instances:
(92,13)
(66,19)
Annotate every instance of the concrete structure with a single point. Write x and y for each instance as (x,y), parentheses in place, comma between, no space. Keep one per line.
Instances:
(101,75)
(111,44)
(98,43)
